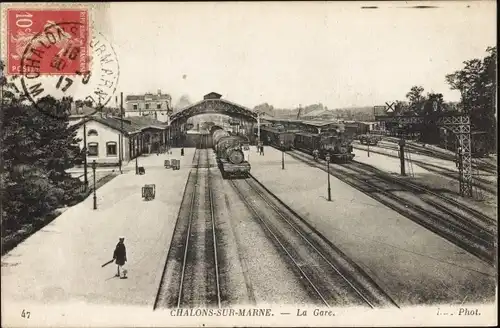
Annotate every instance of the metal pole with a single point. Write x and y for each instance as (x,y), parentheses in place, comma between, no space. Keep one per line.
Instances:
(121,131)
(85,173)
(258,128)
(460,170)
(282,158)
(328,171)
(368,149)
(95,197)
(136,163)
(402,156)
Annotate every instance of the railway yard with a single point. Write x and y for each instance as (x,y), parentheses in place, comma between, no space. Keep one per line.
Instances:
(383,241)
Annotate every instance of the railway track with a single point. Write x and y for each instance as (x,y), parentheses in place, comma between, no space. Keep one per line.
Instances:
(456,208)
(327,273)
(477,182)
(191,274)
(477,164)
(477,237)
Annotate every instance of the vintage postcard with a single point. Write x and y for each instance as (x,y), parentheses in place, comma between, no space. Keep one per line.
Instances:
(221,164)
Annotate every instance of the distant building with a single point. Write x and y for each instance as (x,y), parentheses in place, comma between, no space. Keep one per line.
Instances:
(319,114)
(157,106)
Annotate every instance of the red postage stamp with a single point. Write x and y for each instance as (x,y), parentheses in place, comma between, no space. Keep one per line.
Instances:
(47,41)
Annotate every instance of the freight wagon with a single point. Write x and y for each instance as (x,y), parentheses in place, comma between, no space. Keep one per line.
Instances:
(277,137)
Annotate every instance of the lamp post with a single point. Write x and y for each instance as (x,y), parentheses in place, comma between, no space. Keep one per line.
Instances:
(258,130)
(95,198)
(282,155)
(86,181)
(368,142)
(136,153)
(136,165)
(328,172)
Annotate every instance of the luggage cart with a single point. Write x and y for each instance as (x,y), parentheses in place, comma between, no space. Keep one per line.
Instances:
(149,192)
(167,164)
(175,164)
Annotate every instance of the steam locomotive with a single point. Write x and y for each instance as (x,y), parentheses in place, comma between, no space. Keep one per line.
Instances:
(229,151)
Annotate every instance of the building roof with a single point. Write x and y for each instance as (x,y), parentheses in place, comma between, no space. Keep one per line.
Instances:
(146,122)
(130,125)
(320,123)
(214,106)
(319,112)
(116,124)
(154,97)
(283,120)
(212,95)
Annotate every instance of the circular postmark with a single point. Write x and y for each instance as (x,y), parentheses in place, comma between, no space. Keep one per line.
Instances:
(62,62)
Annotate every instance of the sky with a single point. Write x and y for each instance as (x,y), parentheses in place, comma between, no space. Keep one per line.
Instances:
(287,54)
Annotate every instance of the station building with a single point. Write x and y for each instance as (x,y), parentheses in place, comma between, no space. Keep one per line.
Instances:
(110,138)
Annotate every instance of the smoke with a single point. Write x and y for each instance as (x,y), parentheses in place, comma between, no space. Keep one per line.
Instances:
(183,101)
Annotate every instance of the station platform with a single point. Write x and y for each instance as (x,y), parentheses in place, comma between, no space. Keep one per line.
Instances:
(61,263)
(412,264)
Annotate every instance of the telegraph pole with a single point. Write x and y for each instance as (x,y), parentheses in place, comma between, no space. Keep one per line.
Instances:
(95,197)
(258,128)
(402,155)
(328,172)
(121,132)
(86,181)
(282,155)
(368,142)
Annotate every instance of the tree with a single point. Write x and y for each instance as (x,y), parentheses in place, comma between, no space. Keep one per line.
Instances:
(477,85)
(416,98)
(433,103)
(264,108)
(36,149)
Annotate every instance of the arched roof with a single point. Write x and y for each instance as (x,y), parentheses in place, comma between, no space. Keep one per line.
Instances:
(217,106)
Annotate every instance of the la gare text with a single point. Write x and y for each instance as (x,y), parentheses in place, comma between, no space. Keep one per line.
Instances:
(245,313)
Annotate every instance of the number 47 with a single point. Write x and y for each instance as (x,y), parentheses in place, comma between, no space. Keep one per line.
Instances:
(25,314)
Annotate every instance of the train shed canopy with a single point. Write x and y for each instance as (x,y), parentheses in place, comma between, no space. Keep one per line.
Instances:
(213,104)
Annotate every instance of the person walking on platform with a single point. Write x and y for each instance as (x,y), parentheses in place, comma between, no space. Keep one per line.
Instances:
(262,150)
(182,151)
(120,257)
(316,154)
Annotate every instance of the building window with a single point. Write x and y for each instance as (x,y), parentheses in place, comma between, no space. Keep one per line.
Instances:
(158,106)
(135,106)
(147,106)
(92,133)
(111,148)
(93,149)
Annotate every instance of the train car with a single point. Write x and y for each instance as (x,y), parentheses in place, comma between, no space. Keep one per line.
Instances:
(229,151)
(338,146)
(369,139)
(274,136)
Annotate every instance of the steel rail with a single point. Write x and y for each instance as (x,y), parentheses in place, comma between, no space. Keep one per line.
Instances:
(186,244)
(482,252)
(251,207)
(277,210)
(212,215)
